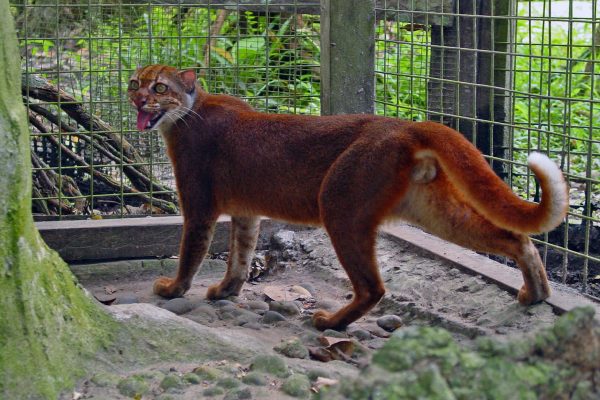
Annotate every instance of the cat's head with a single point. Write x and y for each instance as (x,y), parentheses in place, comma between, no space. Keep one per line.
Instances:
(161,95)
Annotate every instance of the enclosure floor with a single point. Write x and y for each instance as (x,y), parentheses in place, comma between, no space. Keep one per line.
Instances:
(421,290)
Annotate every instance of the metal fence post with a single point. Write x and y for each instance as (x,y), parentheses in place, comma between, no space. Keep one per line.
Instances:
(347,56)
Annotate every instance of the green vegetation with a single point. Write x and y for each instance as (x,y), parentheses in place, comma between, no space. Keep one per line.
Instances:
(273,61)
(427,363)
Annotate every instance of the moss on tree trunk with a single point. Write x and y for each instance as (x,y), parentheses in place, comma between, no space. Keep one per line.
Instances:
(49,328)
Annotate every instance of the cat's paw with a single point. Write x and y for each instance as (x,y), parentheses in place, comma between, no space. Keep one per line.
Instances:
(322,320)
(167,287)
(527,298)
(224,290)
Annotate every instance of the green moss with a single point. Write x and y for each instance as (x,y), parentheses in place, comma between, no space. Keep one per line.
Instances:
(133,386)
(274,365)
(424,362)
(297,386)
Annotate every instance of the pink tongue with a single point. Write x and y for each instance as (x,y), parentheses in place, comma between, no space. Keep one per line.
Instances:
(142,119)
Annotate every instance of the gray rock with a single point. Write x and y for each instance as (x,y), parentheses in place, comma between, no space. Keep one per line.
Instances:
(244,317)
(360,334)
(283,239)
(285,307)
(222,303)
(389,322)
(257,305)
(334,333)
(203,314)
(308,286)
(179,306)
(271,317)
(253,325)
(126,298)
(327,305)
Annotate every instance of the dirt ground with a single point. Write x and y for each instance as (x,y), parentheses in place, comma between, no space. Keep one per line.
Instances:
(297,276)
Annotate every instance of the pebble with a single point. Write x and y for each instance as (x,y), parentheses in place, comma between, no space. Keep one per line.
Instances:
(360,334)
(244,316)
(126,298)
(222,303)
(284,307)
(334,333)
(327,305)
(389,322)
(179,306)
(311,289)
(253,325)
(203,314)
(283,239)
(271,317)
(257,305)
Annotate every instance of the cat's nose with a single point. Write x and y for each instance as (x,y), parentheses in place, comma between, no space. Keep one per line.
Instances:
(140,102)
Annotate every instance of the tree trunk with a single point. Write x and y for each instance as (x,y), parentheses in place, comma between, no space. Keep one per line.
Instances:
(49,328)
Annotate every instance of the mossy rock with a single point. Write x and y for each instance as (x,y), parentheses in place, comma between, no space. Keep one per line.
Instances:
(213,391)
(207,373)
(238,394)
(424,362)
(270,364)
(133,386)
(172,381)
(255,378)
(292,348)
(228,383)
(296,386)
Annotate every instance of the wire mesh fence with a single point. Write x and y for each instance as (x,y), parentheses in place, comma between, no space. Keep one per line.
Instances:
(513,76)
(79,55)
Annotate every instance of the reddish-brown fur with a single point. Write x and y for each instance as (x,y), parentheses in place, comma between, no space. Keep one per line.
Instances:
(348,173)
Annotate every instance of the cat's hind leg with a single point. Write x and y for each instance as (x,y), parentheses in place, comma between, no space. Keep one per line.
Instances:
(439,209)
(242,242)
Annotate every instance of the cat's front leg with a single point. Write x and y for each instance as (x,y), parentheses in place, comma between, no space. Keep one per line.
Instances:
(242,242)
(194,246)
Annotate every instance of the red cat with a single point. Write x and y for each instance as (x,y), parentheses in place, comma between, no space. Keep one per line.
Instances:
(348,173)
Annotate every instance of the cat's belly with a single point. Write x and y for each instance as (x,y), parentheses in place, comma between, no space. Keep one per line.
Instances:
(285,208)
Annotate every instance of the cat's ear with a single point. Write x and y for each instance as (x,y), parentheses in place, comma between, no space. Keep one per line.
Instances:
(188,77)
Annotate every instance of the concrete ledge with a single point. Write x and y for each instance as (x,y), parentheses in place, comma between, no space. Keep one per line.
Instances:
(118,239)
(562,299)
(104,240)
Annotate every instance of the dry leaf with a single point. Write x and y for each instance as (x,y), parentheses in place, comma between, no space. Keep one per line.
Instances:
(105,299)
(283,293)
(109,289)
(320,354)
(322,382)
(301,291)
(276,293)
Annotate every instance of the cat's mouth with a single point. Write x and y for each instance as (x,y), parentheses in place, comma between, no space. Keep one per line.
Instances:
(147,120)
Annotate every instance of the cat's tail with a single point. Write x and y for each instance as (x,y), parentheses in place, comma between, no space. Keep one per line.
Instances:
(486,192)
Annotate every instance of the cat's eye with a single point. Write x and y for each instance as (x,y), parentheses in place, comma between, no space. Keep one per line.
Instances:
(160,88)
(134,85)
